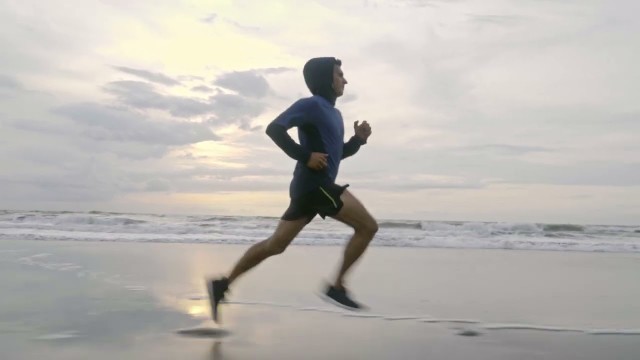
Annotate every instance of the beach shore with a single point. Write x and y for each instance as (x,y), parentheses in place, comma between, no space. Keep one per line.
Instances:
(108,300)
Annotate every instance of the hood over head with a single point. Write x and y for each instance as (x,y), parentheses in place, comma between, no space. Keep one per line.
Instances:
(318,75)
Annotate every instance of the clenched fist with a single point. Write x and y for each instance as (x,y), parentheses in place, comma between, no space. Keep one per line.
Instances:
(363,131)
(317,161)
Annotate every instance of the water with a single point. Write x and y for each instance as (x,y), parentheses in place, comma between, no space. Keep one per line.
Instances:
(100,226)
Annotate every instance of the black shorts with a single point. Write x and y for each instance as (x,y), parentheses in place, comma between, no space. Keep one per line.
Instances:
(325,201)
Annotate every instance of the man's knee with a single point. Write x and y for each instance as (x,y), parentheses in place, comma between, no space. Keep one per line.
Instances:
(276,246)
(369,227)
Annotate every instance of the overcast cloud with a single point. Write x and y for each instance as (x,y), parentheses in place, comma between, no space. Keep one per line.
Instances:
(494,110)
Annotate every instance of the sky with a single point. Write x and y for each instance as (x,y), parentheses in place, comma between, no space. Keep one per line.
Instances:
(495,110)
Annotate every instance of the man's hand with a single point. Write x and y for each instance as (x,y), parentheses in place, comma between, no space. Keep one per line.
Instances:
(317,161)
(363,131)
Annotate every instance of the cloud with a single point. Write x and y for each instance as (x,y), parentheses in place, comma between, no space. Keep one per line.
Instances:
(202,89)
(230,108)
(9,83)
(39,125)
(348,98)
(193,177)
(406,3)
(242,27)
(149,76)
(143,96)
(209,19)
(247,83)
(495,19)
(215,18)
(412,182)
(420,3)
(460,95)
(69,168)
(190,78)
(587,173)
(68,188)
(117,125)
(158,185)
(275,70)
(506,149)
(220,108)
(522,170)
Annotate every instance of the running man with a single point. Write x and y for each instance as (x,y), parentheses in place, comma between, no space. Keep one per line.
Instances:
(313,189)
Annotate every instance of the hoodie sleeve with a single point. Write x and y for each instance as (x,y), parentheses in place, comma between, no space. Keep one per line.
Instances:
(294,116)
(279,135)
(352,146)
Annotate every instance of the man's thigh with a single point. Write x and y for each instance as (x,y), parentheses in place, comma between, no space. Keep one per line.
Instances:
(287,230)
(353,213)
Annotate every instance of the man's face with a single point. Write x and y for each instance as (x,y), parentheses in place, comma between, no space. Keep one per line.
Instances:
(338,80)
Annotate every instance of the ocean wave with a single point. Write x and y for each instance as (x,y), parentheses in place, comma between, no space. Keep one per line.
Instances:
(562,227)
(400,225)
(214,218)
(100,226)
(92,220)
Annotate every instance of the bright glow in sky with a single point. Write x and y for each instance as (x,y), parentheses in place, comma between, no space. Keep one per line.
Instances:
(487,111)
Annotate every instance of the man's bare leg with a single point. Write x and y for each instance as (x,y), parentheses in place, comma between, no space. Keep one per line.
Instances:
(354,214)
(285,232)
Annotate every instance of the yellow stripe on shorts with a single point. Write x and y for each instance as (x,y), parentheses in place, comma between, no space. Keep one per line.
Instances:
(330,198)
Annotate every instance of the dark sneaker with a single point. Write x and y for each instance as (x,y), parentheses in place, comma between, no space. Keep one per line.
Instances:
(216,290)
(341,297)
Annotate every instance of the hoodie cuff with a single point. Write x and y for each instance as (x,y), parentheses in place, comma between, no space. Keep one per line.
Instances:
(359,140)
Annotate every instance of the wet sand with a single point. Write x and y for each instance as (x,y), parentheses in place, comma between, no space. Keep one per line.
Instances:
(94,300)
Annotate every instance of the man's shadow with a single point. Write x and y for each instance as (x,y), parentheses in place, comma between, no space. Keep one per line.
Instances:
(215,352)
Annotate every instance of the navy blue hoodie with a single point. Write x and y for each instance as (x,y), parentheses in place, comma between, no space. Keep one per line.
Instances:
(320,129)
